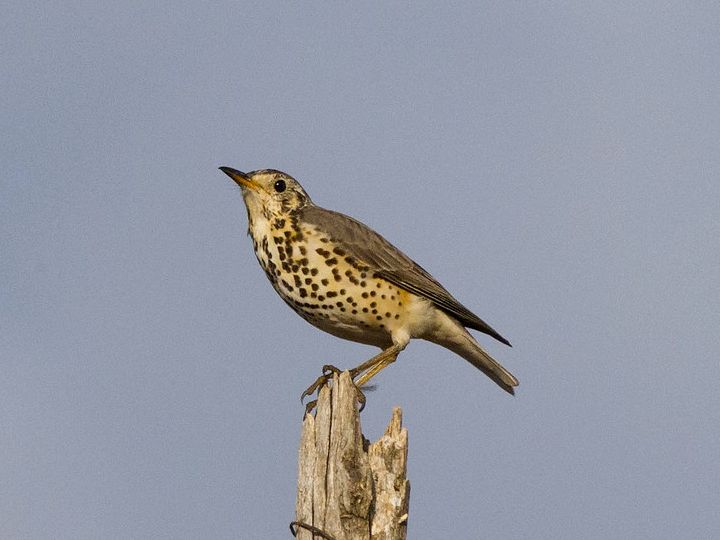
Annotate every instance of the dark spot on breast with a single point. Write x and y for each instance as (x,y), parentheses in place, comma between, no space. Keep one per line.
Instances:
(314,286)
(298,282)
(373,304)
(287,285)
(324,253)
(308,281)
(331,294)
(331,262)
(278,240)
(338,251)
(372,293)
(324,281)
(365,295)
(313,271)
(303,251)
(279,223)
(363,284)
(321,297)
(303,292)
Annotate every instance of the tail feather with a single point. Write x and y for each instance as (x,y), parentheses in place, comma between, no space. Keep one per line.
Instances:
(466,346)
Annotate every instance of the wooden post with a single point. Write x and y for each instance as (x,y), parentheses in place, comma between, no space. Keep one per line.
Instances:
(349,489)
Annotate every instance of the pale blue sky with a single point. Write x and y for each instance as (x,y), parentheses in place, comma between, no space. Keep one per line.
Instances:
(554,165)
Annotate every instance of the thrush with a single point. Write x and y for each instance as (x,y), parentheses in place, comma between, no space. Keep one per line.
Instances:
(344,278)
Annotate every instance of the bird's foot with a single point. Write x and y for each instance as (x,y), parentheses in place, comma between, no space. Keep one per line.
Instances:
(327,374)
(328,371)
(362,400)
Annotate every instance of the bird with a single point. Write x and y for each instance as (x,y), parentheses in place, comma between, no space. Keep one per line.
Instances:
(346,279)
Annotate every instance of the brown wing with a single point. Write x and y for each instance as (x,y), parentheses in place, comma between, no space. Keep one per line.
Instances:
(392,264)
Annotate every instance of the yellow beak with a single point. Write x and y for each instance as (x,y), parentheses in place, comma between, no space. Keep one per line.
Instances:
(240,178)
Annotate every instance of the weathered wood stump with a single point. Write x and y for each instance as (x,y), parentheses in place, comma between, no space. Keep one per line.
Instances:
(349,489)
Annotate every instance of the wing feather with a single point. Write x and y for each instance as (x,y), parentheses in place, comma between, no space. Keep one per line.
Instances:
(392,264)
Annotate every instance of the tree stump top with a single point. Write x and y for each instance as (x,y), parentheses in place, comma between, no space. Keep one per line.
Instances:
(349,489)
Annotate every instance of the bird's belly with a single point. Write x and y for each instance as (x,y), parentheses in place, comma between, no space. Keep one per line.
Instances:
(350,331)
(343,316)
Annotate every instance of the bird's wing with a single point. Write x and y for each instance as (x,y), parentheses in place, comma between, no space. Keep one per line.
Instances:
(391,264)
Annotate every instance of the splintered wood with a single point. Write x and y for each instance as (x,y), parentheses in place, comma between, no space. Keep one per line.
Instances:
(349,489)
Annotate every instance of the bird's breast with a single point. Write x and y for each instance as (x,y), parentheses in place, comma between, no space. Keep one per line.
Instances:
(321,281)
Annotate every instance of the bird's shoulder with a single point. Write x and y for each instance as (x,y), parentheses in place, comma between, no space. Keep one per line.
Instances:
(361,241)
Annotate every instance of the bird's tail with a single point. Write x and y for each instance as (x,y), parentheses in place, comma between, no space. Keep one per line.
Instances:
(466,346)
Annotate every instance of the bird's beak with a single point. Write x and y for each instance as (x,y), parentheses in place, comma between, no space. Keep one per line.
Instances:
(241,179)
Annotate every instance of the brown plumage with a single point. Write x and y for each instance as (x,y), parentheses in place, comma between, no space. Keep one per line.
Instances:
(346,279)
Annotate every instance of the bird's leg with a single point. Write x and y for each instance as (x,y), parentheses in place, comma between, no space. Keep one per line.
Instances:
(375,365)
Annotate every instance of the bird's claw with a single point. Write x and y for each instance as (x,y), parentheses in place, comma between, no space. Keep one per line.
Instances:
(328,371)
(361,399)
(310,406)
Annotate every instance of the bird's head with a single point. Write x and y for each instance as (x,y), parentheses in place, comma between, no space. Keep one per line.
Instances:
(268,193)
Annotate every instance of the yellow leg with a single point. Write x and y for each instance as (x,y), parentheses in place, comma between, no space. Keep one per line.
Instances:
(375,365)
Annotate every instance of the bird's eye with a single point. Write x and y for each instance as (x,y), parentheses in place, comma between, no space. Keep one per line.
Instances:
(279,186)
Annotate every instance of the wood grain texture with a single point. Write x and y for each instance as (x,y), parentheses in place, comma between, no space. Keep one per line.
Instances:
(348,488)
